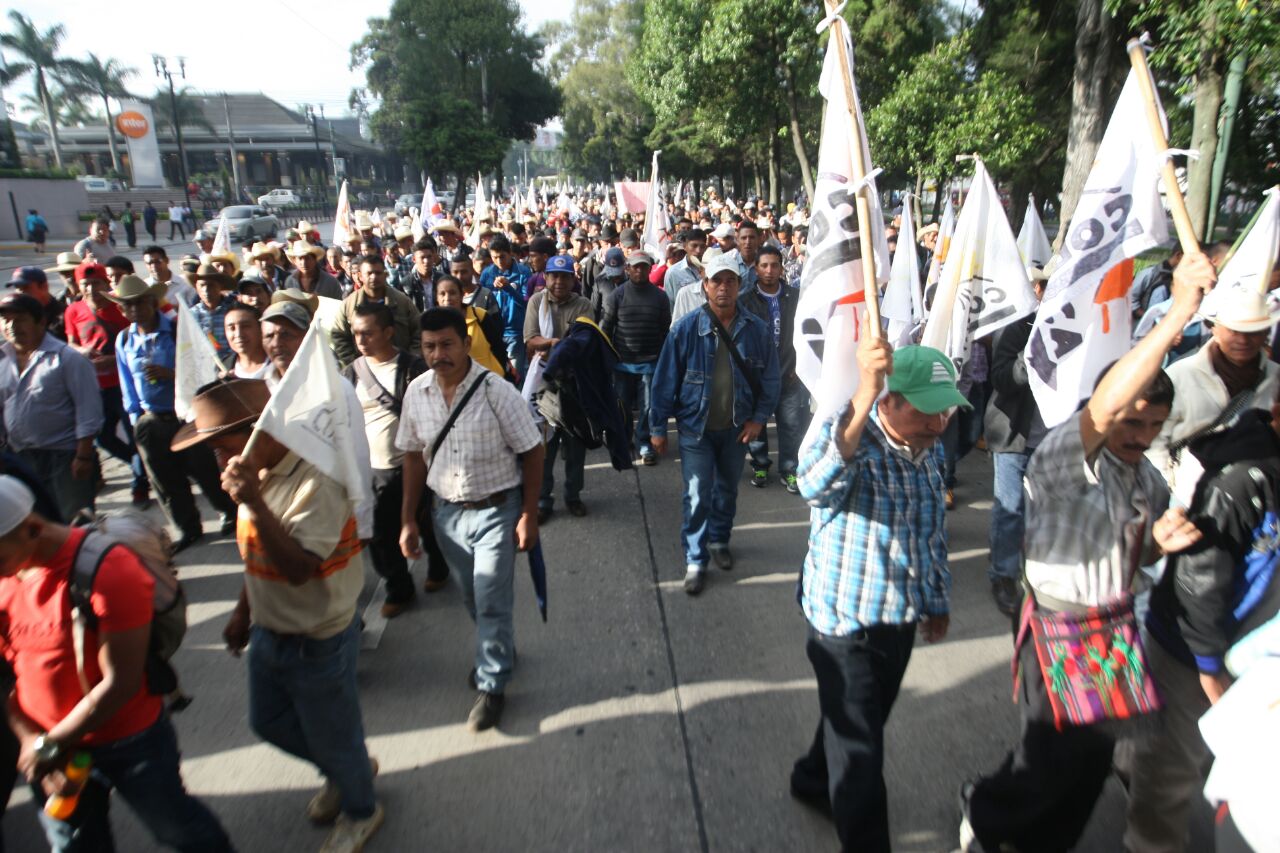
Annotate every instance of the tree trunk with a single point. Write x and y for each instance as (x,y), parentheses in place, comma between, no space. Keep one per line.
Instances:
(755,176)
(1094,84)
(111,137)
(497,193)
(460,193)
(1204,138)
(42,91)
(775,179)
(797,136)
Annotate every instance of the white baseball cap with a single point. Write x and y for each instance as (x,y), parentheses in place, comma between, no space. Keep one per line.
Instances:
(16,501)
(720,263)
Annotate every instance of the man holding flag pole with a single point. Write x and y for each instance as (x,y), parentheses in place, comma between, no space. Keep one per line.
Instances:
(877,560)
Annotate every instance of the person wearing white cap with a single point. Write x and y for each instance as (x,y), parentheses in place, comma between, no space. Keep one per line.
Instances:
(717,376)
(1213,386)
(725,237)
(116,720)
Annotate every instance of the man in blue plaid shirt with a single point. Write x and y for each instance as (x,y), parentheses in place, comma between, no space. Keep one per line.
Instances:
(877,566)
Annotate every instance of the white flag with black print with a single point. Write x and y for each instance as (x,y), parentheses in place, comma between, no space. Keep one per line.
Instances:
(832,300)
(1253,260)
(1083,324)
(1033,243)
(903,303)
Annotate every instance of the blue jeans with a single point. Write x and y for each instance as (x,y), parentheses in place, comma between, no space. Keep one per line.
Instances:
(963,431)
(113,414)
(518,353)
(711,466)
(480,547)
(303,700)
(53,467)
(1008,515)
(635,390)
(792,418)
(575,460)
(143,768)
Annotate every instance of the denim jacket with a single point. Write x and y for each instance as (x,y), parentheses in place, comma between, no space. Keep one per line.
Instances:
(682,380)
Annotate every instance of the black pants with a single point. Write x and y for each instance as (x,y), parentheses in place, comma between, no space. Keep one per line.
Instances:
(384,549)
(169,472)
(131,234)
(1042,795)
(858,681)
(176,223)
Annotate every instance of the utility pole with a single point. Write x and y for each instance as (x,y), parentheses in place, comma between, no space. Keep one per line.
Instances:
(1230,104)
(162,70)
(315,136)
(333,155)
(231,142)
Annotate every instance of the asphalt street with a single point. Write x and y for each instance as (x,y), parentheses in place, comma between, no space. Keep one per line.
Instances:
(639,718)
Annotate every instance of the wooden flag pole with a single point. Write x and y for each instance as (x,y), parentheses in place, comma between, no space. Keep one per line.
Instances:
(861,205)
(1177,205)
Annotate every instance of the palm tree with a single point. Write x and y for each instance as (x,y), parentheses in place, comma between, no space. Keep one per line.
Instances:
(9,156)
(68,110)
(189,114)
(92,76)
(39,52)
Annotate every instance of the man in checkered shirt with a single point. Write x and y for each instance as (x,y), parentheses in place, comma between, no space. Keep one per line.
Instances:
(877,566)
(486,476)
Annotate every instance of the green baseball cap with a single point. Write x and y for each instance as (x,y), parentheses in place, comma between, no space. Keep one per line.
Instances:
(926,378)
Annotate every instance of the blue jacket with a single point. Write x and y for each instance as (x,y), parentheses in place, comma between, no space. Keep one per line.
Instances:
(682,380)
(511,302)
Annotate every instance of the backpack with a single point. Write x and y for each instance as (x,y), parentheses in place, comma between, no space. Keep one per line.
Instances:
(149,542)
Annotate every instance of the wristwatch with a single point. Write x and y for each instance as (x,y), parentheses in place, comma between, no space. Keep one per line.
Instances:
(47,750)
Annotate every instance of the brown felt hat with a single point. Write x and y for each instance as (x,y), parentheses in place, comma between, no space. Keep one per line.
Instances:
(222,406)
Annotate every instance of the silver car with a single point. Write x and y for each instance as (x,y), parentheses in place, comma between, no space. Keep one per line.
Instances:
(245,223)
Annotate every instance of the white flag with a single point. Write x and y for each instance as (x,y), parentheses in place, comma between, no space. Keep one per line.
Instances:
(903,303)
(1033,243)
(984,283)
(946,228)
(343,219)
(832,296)
(221,239)
(308,414)
(1083,323)
(657,225)
(478,212)
(1254,258)
(196,363)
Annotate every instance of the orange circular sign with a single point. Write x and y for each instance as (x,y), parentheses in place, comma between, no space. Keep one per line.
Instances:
(133,124)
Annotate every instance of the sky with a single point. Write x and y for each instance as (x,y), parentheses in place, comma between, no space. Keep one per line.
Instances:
(295,51)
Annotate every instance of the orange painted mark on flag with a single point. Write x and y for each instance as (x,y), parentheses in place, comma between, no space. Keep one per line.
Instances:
(1115,285)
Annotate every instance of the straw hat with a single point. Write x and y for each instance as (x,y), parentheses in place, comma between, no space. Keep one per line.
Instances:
(208,272)
(364,222)
(292,294)
(131,288)
(304,227)
(67,262)
(447,225)
(299,248)
(263,250)
(1246,311)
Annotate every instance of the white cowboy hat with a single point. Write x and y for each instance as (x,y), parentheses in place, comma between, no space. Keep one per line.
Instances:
(302,247)
(1246,311)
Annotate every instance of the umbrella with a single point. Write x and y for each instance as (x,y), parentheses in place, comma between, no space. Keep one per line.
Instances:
(538,573)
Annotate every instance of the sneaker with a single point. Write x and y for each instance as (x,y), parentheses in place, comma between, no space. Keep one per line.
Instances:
(968,838)
(695,578)
(649,458)
(721,555)
(326,805)
(951,499)
(1005,593)
(486,712)
(791,483)
(349,834)
(576,508)
(760,478)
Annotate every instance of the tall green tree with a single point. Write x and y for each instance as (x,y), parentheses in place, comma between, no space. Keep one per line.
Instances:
(105,80)
(1196,40)
(39,57)
(471,65)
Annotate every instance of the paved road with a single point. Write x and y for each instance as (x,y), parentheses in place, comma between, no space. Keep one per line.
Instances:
(639,719)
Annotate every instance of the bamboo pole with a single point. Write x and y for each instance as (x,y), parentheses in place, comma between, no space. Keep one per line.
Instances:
(859,168)
(1177,205)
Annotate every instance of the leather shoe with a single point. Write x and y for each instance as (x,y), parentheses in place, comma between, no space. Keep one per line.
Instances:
(544,513)
(392,609)
(431,585)
(1005,593)
(228,525)
(486,712)
(187,540)
(577,508)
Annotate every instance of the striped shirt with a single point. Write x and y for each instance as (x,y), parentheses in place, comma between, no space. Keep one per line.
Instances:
(1088,519)
(877,533)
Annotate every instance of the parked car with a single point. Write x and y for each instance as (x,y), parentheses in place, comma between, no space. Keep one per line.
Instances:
(279,198)
(406,201)
(245,223)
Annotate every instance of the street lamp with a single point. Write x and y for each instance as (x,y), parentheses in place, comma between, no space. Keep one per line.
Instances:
(315,135)
(162,70)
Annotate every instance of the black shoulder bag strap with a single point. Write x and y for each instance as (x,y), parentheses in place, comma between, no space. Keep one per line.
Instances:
(752,379)
(453,416)
(1235,406)
(371,385)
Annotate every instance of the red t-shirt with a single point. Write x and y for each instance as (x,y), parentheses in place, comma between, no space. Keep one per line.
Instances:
(35,629)
(97,331)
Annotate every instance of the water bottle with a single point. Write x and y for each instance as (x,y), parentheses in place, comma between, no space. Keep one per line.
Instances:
(61,807)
